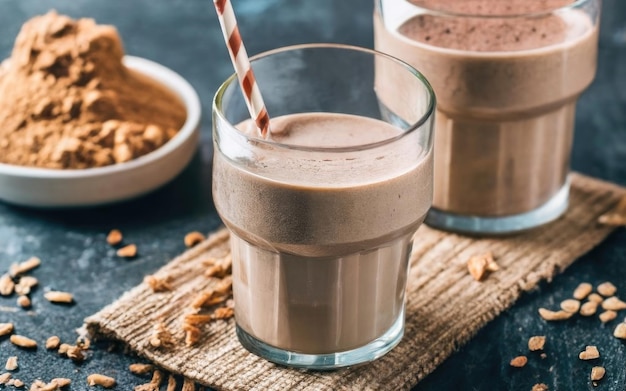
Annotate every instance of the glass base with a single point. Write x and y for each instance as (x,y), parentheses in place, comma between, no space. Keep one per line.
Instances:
(369,352)
(546,213)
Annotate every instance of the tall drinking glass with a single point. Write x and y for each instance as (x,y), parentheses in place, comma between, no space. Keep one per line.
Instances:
(507,74)
(322,214)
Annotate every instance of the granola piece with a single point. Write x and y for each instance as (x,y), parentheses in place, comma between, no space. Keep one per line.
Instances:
(58,297)
(114,237)
(11,364)
(161,337)
(607,316)
(225,285)
(613,303)
(157,284)
(192,334)
(193,238)
(96,379)
(589,308)
(75,353)
(129,251)
(140,369)
(590,353)
(6,285)
(596,298)
(63,348)
(519,361)
(554,315)
(23,342)
(53,342)
(6,329)
(582,290)
(536,343)
(17,383)
(155,383)
(23,301)
(4,378)
(197,319)
(570,305)
(620,331)
(477,267)
(223,313)
(540,387)
(83,342)
(18,269)
(607,289)
(597,373)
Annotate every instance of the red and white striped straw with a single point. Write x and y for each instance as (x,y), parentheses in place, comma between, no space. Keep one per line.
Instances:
(239,57)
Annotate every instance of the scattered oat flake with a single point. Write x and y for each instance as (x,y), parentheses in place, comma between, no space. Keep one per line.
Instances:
(582,290)
(23,301)
(23,342)
(193,238)
(620,331)
(597,373)
(596,298)
(613,303)
(606,289)
(157,284)
(53,342)
(61,382)
(83,342)
(570,305)
(140,369)
(18,383)
(59,297)
(75,353)
(96,379)
(590,353)
(129,251)
(607,316)
(192,334)
(519,361)
(6,285)
(536,343)
(554,315)
(540,387)
(155,383)
(18,269)
(114,237)
(589,308)
(6,329)
(223,313)
(4,378)
(11,364)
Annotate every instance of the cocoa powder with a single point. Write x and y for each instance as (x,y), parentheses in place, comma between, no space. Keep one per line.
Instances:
(68,102)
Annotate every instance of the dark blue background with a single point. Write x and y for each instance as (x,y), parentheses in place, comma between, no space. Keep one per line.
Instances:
(184,35)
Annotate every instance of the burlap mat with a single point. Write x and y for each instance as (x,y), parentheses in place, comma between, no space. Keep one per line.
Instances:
(445,306)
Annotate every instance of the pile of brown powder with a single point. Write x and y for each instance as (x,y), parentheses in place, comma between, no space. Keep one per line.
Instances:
(68,102)
(496,33)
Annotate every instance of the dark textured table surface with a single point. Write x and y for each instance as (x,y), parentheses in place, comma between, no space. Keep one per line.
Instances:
(184,35)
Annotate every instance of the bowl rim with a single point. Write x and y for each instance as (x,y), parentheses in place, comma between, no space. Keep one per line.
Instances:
(170,80)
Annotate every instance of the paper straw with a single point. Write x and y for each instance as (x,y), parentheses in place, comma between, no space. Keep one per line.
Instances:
(241,63)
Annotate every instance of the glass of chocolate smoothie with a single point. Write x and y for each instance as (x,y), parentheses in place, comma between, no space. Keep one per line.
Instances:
(322,213)
(507,74)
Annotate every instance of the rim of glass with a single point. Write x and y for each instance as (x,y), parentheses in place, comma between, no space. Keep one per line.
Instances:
(439,12)
(218,99)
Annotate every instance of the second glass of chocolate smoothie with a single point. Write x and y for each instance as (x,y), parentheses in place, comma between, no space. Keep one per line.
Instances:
(323,212)
(507,74)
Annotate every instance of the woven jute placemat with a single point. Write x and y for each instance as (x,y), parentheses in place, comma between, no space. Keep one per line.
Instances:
(445,305)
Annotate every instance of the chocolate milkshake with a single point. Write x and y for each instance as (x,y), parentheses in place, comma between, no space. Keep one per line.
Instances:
(506,86)
(321,237)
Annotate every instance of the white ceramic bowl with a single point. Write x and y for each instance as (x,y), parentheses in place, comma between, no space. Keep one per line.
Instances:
(50,188)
